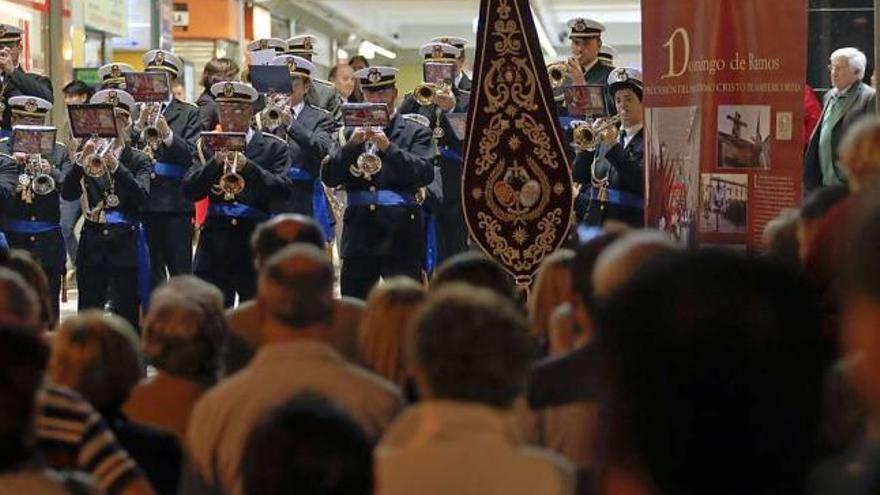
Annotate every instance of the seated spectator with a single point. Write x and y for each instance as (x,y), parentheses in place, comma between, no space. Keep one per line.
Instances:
(781,239)
(18,302)
(295,299)
(857,470)
(97,355)
(24,263)
(860,154)
(713,382)
(23,359)
(816,205)
(389,312)
(568,413)
(307,446)
(475,269)
(552,288)
(184,334)
(269,238)
(470,350)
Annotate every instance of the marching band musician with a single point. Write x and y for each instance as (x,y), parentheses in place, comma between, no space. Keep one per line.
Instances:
(113,75)
(613,176)
(277,44)
(584,66)
(168,214)
(309,139)
(462,81)
(14,81)
(223,256)
(32,211)
(444,196)
(383,233)
(112,248)
(322,94)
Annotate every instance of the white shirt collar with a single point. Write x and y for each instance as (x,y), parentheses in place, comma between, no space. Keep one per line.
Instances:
(588,67)
(296,109)
(250,134)
(458,78)
(630,133)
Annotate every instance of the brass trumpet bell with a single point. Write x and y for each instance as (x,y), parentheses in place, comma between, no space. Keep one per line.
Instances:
(588,135)
(43,184)
(558,72)
(424,93)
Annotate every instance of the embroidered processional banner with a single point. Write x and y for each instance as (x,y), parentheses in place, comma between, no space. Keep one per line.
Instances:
(516,184)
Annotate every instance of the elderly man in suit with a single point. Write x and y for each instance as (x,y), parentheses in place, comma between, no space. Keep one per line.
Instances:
(848,100)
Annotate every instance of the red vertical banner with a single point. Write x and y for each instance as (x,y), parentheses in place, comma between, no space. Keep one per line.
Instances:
(724,82)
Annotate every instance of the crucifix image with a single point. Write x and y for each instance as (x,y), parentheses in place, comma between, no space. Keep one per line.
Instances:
(738,123)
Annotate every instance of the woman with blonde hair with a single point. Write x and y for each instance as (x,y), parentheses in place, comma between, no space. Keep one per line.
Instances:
(383,327)
(552,291)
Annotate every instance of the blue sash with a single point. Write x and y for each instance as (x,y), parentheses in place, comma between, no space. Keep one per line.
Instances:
(451,155)
(620,198)
(30,227)
(565,122)
(170,170)
(430,242)
(237,210)
(320,206)
(382,197)
(5,133)
(4,244)
(144,281)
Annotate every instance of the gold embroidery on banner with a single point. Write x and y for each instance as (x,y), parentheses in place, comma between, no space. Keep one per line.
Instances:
(517,191)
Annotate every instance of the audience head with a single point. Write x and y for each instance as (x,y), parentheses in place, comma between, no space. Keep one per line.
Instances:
(470,344)
(25,264)
(382,335)
(816,205)
(218,70)
(18,301)
(284,230)
(77,92)
(23,358)
(98,355)
(847,67)
(475,269)
(342,77)
(713,365)
(624,257)
(307,446)
(358,62)
(295,288)
(553,287)
(860,153)
(860,301)
(781,238)
(185,330)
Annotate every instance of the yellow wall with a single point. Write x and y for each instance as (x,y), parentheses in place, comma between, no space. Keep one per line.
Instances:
(132,58)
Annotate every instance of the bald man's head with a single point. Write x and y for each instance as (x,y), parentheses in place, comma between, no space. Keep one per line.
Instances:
(296,287)
(284,230)
(622,259)
(18,302)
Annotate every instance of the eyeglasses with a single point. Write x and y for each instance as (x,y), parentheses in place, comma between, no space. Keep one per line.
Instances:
(836,68)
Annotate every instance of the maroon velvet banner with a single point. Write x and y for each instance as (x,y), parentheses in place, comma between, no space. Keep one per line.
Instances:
(516,183)
(724,82)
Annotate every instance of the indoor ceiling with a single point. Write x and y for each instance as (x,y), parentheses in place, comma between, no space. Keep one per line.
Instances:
(406,24)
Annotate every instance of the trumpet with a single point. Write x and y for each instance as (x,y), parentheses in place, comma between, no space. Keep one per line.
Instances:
(588,135)
(558,71)
(150,135)
(42,183)
(369,162)
(425,92)
(272,117)
(95,164)
(231,182)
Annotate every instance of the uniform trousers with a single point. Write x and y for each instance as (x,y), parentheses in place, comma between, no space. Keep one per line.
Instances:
(360,273)
(169,236)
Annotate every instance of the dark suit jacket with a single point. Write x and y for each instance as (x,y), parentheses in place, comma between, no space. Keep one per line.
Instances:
(207,111)
(406,166)
(323,95)
(166,193)
(112,244)
(859,101)
(625,169)
(48,247)
(309,140)
(157,452)
(21,83)
(465,83)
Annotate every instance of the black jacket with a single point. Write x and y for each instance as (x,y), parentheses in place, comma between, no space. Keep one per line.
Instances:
(371,230)
(625,169)
(166,193)
(309,140)
(21,83)
(207,111)
(113,245)
(48,247)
